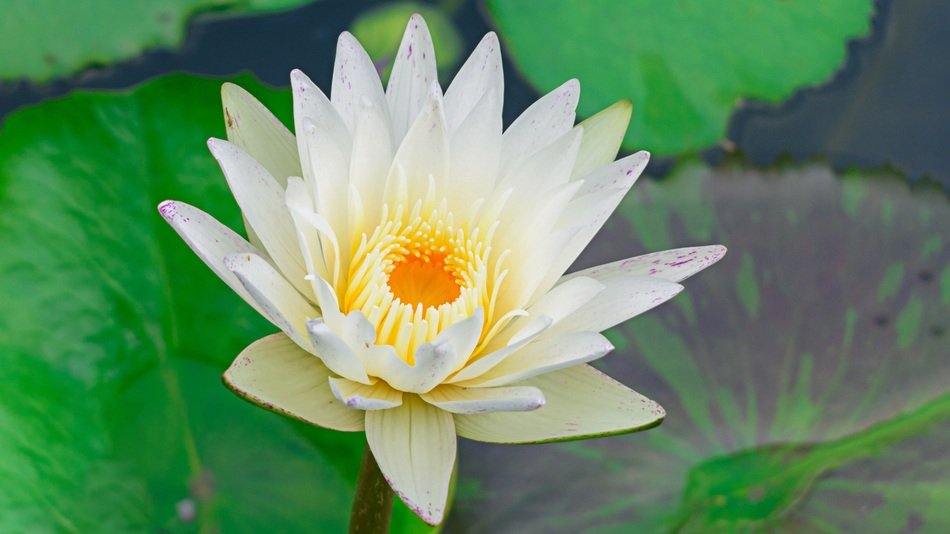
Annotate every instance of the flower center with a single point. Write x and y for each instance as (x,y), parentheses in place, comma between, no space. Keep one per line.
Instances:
(418,273)
(424,281)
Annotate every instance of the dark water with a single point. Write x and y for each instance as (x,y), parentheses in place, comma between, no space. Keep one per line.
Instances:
(889,104)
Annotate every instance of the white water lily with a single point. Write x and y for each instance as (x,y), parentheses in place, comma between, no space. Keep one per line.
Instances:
(412,255)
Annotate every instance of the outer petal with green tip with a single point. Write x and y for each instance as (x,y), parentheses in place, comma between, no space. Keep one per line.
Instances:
(580,402)
(273,372)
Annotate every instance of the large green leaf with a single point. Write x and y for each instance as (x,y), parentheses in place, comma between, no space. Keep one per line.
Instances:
(805,376)
(685,65)
(113,335)
(42,39)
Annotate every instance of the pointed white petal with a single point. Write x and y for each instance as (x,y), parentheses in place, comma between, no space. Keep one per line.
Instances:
(580,402)
(546,120)
(329,305)
(312,104)
(369,165)
(358,396)
(674,265)
(413,73)
(496,354)
(618,175)
(587,212)
(280,303)
(210,240)
(480,74)
(422,156)
(603,134)
(540,193)
(623,297)
(330,183)
(485,400)
(354,79)
(273,372)
(414,445)
(259,133)
(323,140)
(563,300)
(546,168)
(475,149)
(335,353)
(261,200)
(544,356)
(530,263)
(464,335)
(300,205)
(433,362)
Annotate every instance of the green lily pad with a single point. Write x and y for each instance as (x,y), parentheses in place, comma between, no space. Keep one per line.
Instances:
(43,39)
(805,376)
(685,65)
(113,335)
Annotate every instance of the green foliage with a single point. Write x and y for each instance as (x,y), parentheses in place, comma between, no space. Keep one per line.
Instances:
(43,39)
(804,376)
(686,64)
(113,335)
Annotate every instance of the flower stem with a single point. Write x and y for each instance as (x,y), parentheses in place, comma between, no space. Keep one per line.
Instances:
(373,502)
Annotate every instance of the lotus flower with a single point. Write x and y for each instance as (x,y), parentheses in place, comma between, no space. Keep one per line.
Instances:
(412,255)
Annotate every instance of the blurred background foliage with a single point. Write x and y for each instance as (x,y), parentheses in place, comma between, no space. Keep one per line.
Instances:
(810,384)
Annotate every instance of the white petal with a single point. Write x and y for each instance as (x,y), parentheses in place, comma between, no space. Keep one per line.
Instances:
(475,149)
(494,355)
(603,134)
(540,194)
(335,353)
(546,120)
(259,133)
(485,400)
(330,183)
(563,300)
(333,259)
(324,145)
(312,104)
(479,75)
(422,156)
(545,356)
(276,374)
(580,402)
(279,301)
(329,305)
(413,73)
(358,396)
(529,265)
(556,304)
(546,168)
(414,445)
(620,174)
(210,240)
(433,362)
(596,200)
(674,265)
(299,205)
(369,164)
(464,335)
(261,200)
(354,79)
(623,297)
